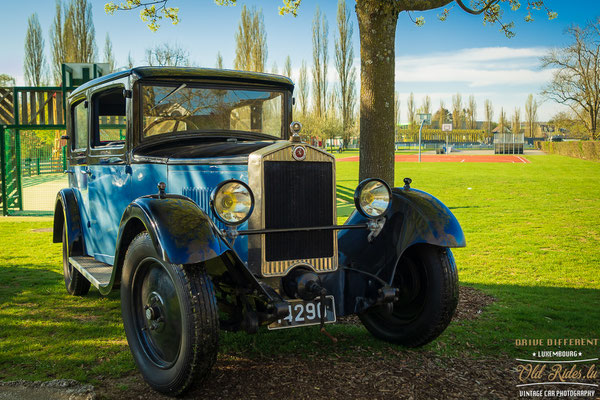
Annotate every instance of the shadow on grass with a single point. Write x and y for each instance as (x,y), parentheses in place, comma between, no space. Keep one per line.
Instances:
(520,312)
(48,334)
(345,194)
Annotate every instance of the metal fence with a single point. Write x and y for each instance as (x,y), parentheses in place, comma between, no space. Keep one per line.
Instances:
(11,178)
(32,170)
(509,143)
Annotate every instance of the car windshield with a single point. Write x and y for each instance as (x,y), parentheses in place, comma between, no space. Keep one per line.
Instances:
(184,108)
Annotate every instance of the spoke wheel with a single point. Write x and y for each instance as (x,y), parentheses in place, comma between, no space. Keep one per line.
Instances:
(170,318)
(427,279)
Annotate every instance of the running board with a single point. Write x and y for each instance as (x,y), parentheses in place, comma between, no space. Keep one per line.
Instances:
(97,272)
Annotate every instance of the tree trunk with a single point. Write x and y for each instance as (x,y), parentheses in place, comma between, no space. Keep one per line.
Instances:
(377,25)
(593,121)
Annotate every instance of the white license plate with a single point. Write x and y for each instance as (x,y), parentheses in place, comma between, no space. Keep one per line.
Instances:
(302,313)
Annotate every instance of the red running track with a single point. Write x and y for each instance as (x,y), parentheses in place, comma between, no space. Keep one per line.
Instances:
(453,158)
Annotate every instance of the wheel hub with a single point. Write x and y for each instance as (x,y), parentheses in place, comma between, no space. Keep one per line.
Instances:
(159,318)
(154,312)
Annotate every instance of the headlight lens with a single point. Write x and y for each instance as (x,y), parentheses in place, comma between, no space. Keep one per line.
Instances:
(232,202)
(372,198)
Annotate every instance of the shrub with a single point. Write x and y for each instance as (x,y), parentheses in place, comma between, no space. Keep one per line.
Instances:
(586,150)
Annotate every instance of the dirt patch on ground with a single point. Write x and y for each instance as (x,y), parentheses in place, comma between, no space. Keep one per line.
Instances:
(471,303)
(364,375)
(42,230)
(60,389)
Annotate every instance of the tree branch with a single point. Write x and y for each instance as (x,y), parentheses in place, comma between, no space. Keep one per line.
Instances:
(476,12)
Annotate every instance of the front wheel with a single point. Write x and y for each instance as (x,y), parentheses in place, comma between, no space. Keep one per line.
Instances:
(428,282)
(170,318)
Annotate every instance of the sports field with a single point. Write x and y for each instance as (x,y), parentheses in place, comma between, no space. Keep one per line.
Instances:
(533,234)
(460,158)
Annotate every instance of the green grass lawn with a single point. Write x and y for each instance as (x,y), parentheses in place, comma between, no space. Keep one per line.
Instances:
(533,235)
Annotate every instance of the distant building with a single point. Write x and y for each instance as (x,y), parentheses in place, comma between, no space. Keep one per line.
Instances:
(499,129)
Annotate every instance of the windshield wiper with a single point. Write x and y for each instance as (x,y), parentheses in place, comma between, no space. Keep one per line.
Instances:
(177,89)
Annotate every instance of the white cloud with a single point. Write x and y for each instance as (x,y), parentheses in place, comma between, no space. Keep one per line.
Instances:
(475,67)
(504,75)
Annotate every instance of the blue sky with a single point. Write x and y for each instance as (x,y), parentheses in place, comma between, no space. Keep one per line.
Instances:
(439,58)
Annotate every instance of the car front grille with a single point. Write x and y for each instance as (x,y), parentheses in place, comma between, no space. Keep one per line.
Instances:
(298,195)
(292,194)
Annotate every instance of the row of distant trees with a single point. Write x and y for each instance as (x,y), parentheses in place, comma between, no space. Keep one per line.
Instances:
(326,111)
(463,115)
(73,40)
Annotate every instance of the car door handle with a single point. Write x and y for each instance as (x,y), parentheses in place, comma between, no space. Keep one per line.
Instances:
(87,171)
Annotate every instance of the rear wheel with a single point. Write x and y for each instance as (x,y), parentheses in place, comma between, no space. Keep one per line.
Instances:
(170,318)
(428,282)
(75,282)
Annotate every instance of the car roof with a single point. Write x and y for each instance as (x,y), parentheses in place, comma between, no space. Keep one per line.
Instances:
(190,73)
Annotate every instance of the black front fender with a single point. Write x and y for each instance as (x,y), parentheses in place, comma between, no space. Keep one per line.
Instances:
(414,217)
(181,232)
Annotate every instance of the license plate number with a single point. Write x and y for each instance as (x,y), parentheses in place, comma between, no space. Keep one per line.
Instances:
(302,313)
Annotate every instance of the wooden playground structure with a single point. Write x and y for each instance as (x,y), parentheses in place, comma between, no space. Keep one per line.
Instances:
(32,122)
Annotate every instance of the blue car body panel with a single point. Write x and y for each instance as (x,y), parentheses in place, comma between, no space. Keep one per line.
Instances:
(198,181)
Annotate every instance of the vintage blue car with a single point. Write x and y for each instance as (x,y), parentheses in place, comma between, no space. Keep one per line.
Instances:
(191,190)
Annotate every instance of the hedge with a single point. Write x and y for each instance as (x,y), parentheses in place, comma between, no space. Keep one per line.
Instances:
(585,150)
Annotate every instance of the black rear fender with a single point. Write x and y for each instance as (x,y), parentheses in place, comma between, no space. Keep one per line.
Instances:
(67,214)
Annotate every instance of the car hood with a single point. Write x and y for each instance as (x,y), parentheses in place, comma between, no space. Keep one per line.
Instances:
(222,152)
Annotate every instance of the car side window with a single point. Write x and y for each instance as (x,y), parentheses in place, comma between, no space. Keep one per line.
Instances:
(80,126)
(110,118)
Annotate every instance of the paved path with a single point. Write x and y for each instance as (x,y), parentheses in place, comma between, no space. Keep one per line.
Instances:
(41,196)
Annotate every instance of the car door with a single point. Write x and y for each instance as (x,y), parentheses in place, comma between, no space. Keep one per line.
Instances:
(77,158)
(110,175)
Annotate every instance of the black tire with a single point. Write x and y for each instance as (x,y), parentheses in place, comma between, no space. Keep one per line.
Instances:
(428,281)
(75,282)
(178,351)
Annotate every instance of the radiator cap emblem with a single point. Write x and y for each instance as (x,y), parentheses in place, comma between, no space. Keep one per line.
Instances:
(299,153)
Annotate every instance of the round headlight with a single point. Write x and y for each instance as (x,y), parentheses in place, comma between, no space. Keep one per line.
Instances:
(232,202)
(372,198)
